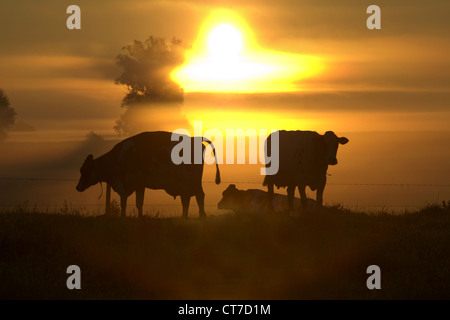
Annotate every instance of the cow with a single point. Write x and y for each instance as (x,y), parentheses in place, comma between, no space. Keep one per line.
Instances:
(304,157)
(254,201)
(144,161)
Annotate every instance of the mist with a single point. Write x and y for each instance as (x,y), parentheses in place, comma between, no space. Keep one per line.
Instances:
(390,171)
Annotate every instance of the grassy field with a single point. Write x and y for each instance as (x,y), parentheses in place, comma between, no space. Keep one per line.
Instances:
(319,255)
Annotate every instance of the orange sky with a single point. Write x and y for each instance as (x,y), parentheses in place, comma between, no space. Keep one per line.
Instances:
(61,83)
(388,79)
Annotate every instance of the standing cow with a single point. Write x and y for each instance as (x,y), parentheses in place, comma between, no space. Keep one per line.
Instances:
(304,157)
(144,161)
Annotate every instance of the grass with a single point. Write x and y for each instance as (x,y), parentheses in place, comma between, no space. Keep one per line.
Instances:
(318,255)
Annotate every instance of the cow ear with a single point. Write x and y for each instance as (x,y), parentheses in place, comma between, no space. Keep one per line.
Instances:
(232,186)
(90,158)
(343,140)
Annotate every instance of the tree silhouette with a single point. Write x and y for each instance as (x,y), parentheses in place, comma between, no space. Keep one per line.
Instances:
(146,75)
(7,115)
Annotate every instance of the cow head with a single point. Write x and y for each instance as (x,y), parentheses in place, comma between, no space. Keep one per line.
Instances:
(332,142)
(88,175)
(229,197)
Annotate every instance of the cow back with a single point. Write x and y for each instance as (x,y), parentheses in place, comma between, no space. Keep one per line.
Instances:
(145,160)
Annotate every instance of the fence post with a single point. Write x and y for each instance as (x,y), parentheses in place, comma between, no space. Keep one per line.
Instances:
(108,200)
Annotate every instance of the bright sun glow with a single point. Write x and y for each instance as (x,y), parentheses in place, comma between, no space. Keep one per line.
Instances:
(225,42)
(226,58)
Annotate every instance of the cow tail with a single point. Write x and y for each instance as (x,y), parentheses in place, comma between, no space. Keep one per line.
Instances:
(215,158)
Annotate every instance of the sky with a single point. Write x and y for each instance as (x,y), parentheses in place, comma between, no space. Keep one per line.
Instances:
(61,82)
(55,76)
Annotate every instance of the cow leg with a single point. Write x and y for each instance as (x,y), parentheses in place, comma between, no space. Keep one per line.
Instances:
(319,195)
(185,203)
(123,205)
(200,197)
(303,197)
(270,195)
(290,196)
(320,189)
(140,200)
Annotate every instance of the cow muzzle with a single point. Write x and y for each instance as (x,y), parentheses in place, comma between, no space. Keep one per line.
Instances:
(80,188)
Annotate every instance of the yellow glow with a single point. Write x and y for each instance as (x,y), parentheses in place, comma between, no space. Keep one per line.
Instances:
(220,119)
(226,58)
(225,42)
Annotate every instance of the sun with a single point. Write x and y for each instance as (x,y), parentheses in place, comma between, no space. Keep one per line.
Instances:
(225,42)
(226,58)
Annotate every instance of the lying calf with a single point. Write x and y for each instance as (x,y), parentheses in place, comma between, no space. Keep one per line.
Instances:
(255,201)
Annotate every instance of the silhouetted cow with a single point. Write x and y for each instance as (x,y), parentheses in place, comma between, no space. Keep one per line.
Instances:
(144,161)
(254,201)
(304,157)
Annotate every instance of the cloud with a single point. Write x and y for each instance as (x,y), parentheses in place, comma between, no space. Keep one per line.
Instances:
(39,26)
(70,103)
(319,102)
(56,66)
(22,126)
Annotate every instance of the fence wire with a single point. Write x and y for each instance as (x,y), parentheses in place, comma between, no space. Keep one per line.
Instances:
(260,182)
